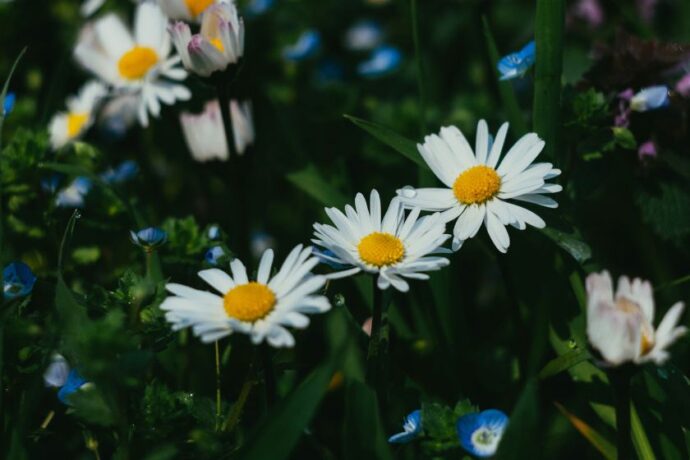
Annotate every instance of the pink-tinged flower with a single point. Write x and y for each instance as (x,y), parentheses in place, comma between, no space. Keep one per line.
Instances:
(683,86)
(619,324)
(366,326)
(622,118)
(589,11)
(648,149)
(186,10)
(219,43)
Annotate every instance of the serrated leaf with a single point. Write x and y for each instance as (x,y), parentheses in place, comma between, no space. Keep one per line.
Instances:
(311,181)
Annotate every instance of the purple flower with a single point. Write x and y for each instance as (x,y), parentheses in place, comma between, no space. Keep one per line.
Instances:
(648,149)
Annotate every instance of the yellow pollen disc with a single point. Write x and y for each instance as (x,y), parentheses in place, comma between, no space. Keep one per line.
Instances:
(75,123)
(477,185)
(381,249)
(135,63)
(249,302)
(196,7)
(218,44)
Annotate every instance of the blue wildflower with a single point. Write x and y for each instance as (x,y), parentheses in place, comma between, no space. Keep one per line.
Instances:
(214,255)
(122,173)
(213,232)
(51,183)
(73,196)
(363,36)
(306,47)
(149,238)
(8,105)
(481,433)
(59,375)
(382,61)
(412,427)
(517,64)
(258,7)
(74,382)
(17,280)
(653,97)
(328,257)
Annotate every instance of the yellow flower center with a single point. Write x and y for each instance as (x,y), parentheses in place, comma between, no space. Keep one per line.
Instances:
(135,63)
(381,249)
(75,123)
(249,302)
(196,7)
(218,44)
(477,185)
(647,340)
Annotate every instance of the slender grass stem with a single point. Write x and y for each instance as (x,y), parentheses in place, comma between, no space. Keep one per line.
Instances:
(218,399)
(378,344)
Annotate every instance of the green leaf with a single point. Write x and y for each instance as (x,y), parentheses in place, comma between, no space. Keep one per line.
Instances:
(570,242)
(315,185)
(518,441)
(563,363)
(640,440)
(600,443)
(667,213)
(86,255)
(400,144)
(88,404)
(363,435)
(624,138)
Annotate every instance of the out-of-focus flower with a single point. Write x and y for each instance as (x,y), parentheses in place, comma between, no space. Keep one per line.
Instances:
(619,325)
(653,97)
(412,428)
(118,115)
(122,173)
(481,433)
(367,325)
(219,43)
(8,103)
(134,63)
(683,85)
(258,7)
(68,126)
(214,254)
(51,183)
(478,188)
(262,309)
(59,375)
(589,11)
(89,7)
(149,238)
(393,246)
(187,10)
(647,150)
(205,134)
(517,64)
(73,195)
(260,242)
(213,232)
(17,280)
(306,46)
(383,61)
(364,36)
(622,118)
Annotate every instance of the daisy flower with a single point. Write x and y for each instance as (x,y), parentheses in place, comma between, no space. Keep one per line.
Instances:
(619,324)
(134,63)
(68,126)
(186,10)
(478,187)
(394,247)
(262,309)
(219,43)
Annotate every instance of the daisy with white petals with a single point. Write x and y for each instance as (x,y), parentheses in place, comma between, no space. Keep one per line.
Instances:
(263,309)
(134,63)
(219,43)
(394,247)
(186,10)
(478,187)
(620,324)
(68,126)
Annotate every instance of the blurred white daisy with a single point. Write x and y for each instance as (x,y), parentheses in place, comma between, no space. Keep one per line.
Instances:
(478,187)
(219,43)
(187,10)
(68,126)
(620,325)
(263,309)
(205,135)
(395,247)
(134,63)
(89,7)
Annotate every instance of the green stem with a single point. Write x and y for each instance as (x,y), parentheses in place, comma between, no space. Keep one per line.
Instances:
(218,400)
(236,411)
(620,380)
(269,375)
(378,344)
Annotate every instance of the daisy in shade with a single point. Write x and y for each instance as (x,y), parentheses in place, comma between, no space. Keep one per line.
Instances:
(219,43)
(186,10)
(620,324)
(262,309)
(478,188)
(69,126)
(394,247)
(134,63)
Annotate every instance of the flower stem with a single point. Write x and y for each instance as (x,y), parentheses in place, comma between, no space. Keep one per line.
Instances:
(236,411)
(218,400)
(269,375)
(378,344)
(224,101)
(620,380)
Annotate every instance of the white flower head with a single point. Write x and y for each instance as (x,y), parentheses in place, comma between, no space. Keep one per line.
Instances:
(186,10)
(137,62)
(478,188)
(620,325)
(70,125)
(219,43)
(392,246)
(262,309)
(205,134)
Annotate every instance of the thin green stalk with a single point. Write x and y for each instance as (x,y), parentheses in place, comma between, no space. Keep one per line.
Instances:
(377,354)
(620,381)
(218,400)
(269,375)
(237,408)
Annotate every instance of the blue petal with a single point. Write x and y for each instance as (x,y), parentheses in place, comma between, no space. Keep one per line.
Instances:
(307,46)
(517,64)
(650,98)
(74,382)
(73,195)
(412,427)
(125,171)
(9,103)
(492,420)
(51,183)
(213,232)
(258,7)
(416,418)
(402,438)
(214,254)
(383,61)
(151,236)
(18,280)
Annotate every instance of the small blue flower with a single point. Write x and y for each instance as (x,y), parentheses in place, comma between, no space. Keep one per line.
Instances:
(650,98)
(73,196)
(17,280)
(213,233)
(481,433)
(517,64)
(412,427)
(149,238)
(214,254)
(9,103)
(74,382)
(382,61)
(326,256)
(307,46)
(122,173)
(51,183)
(258,7)
(363,36)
